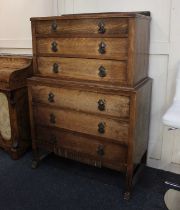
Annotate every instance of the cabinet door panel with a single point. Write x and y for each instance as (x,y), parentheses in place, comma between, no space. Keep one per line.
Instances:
(5,127)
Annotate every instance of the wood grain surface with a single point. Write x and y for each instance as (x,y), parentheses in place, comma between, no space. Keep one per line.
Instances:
(83,69)
(116,48)
(14,111)
(85,101)
(82,148)
(64,93)
(114,27)
(81,122)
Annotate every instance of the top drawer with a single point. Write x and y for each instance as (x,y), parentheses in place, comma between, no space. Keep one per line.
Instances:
(110,27)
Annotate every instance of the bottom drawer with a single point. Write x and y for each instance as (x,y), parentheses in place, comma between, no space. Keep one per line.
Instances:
(83,148)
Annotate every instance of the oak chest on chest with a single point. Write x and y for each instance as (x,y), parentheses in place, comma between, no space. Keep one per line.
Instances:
(90,94)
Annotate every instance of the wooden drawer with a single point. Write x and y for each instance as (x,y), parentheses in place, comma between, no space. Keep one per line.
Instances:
(83,69)
(80,147)
(106,48)
(81,122)
(79,100)
(84,27)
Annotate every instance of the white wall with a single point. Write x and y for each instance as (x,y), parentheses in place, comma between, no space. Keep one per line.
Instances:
(15,32)
(164,147)
(15,37)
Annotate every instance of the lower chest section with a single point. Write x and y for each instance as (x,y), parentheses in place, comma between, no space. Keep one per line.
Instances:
(89,126)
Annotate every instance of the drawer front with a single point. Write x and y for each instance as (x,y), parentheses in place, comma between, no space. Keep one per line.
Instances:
(106,48)
(113,105)
(84,27)
(85,69)
(81,122)
(80,147)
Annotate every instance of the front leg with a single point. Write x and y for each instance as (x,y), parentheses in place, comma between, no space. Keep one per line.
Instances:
(132,176)
(36,158)
(128,185)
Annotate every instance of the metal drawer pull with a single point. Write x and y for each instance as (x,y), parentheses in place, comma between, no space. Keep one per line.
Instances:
(102,48)
(102,71)
(101,105)
(101,29)
(55,68)
(100,150)
(54,47)
(101,127)
(51,97)
(52,119)
(54,26)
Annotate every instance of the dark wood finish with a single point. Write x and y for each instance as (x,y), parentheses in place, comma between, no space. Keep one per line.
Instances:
(138,131)
(83,148)
(142,113)
(13,73)
(138,51)
(90,94)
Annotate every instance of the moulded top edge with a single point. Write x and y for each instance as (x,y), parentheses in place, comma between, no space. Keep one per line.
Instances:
(140,14)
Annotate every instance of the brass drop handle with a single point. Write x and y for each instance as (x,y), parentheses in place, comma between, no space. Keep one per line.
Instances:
(101,27)
(52,118)
(54,26)
(54,47)
(102,48)
(51,97)
(101,127)
(55,68)
(101,105)
(100,150)
(102,71)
